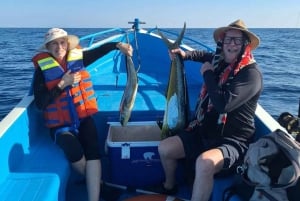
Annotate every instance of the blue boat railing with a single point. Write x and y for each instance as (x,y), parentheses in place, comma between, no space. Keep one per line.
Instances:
(135,26)
(93,36)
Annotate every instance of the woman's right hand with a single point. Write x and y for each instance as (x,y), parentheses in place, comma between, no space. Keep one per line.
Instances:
(69,79)
(173,52)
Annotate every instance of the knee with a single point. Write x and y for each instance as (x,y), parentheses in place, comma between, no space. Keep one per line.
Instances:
(166,148)
(205,165)
(171,147)
(163,149)
(70,146)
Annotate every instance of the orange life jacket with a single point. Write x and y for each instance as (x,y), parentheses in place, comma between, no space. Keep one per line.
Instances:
(75,102)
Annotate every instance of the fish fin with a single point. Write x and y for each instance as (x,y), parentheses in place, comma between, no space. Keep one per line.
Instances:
(180,37)
(165,39)
(177,43)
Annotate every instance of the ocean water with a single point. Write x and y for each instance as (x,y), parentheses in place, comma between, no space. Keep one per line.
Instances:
(278,57)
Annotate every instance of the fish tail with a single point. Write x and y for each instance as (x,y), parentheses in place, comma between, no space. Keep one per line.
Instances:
(177,43)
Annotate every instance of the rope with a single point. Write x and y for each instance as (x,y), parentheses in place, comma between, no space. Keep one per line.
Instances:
(137,51)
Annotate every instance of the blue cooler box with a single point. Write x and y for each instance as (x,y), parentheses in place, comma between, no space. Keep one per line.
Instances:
(133,154)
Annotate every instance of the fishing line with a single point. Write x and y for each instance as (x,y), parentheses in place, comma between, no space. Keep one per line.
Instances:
(137,49)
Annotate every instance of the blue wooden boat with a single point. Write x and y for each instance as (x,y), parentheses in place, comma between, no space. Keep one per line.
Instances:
(34,168)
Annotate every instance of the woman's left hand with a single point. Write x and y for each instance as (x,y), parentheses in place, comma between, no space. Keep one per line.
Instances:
(205,67)
(125,48)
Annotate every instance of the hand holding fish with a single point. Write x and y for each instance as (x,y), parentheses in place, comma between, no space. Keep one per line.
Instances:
(205,67)
(125,48)
(176,51)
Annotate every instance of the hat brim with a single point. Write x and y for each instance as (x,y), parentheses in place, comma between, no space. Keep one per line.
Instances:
(254,39)
(72,40)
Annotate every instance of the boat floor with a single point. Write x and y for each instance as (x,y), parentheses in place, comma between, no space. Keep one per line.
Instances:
(108,192)
(76,190)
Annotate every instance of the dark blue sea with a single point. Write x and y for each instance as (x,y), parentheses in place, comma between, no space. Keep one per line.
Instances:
(278,57)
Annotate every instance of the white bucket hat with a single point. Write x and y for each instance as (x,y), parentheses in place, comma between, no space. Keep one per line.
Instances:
(55,33)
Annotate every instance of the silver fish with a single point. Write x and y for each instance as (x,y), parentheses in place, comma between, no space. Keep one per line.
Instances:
(130,92)
(177,103)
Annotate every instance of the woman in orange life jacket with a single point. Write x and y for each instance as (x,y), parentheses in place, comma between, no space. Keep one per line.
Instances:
(63,90)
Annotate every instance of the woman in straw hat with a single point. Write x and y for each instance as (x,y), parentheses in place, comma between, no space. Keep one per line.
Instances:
(218,137)
(63,90)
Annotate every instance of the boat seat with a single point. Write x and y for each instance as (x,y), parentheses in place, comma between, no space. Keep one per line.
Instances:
(30,186)
(42,165)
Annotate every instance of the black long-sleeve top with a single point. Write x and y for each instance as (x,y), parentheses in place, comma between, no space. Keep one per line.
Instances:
(237,97)
(43,96)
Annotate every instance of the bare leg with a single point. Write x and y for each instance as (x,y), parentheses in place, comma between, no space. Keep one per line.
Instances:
(91,169)
(93,178)
(207,164)
(79,166)
(170,150)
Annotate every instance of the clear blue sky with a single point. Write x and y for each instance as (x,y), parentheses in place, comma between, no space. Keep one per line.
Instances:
(162,13)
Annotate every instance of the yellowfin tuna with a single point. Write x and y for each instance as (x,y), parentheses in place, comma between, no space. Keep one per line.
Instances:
(177,103)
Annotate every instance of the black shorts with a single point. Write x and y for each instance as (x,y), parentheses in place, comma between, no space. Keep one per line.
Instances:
(75,145)
(195,143)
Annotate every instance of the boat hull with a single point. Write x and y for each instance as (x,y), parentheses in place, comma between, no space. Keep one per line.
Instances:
(26,146)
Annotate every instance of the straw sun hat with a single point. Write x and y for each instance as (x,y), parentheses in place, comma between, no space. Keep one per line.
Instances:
(55,33)
(238,25)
